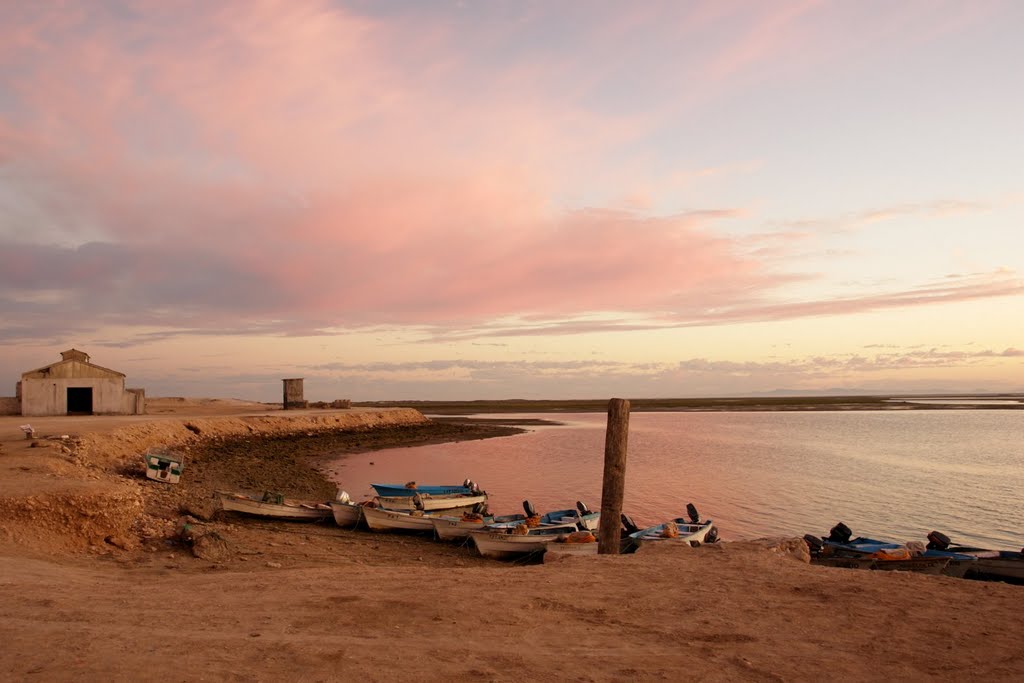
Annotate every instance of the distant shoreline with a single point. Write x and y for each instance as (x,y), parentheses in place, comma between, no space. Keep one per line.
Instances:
(788,403)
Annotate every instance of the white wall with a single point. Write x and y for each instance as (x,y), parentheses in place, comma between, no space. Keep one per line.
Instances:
(50,396)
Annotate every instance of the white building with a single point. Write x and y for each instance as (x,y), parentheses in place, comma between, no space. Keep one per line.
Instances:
(74,386)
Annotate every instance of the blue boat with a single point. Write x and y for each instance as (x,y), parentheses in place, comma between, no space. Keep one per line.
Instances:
(412,488)
(989,565)
(581,517)
(838,549)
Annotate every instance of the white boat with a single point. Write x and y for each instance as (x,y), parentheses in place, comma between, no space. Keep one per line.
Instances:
(678,530)
(690,530)
(505,543)
(449,527)
(346,513)
(274,506)
(581,516)
(432,503)
(395,520)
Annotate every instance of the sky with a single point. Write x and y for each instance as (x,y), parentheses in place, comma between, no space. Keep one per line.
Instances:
(495,199)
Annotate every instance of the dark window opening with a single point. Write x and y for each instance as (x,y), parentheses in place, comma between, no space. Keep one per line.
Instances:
(79,400)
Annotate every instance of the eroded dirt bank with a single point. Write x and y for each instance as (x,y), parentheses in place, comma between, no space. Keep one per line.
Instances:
(89,490)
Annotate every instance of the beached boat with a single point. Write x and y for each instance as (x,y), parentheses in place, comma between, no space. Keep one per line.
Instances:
(412,488)
(990,565)
(378,519)
(582,516)
(523,537)
(507,543)
(839,549)
(690,530)
(431,503)
(449,527)
(678,530)
(346,513)
(274,506)
(587,543)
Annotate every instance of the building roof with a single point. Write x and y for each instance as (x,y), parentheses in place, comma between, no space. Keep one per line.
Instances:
(69,357)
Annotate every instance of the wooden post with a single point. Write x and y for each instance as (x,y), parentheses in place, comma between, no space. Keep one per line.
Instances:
(614,483)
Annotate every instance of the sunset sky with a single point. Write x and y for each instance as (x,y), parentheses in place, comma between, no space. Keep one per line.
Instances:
(487,199)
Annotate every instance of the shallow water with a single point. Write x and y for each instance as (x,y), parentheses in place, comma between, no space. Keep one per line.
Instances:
(886,474)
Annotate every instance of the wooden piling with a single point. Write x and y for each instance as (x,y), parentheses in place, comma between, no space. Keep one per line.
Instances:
(614,483)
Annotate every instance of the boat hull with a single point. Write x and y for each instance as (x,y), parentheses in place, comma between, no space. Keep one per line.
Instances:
(431,503)
(452,528)
(498,545)
(922,565)
(394,520)
(300,512)
(690,534)
(346,514)
(996,565)
(437,490)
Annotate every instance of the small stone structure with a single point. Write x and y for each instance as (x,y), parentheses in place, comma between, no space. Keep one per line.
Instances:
(74,386)
(293,394)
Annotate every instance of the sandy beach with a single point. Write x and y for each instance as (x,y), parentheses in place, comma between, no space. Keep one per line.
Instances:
(95,586)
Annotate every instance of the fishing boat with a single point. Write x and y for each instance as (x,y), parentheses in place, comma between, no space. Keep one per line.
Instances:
(411,488)
(840,549)
(346,513)
(274,506)
(451,527)
(989,565)
(690,530)
(519,538)
(502,543)
(378,519)
(456,503)
(678,530)
(581,516)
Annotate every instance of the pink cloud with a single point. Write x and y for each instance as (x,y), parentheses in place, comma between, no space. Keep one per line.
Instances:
(296,161)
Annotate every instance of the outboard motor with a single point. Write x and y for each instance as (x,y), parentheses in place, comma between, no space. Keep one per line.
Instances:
(840,533)
(466,483)
(582,507)
(712,536)
(937,541)
(628,524)
(814,544)
(691,510)
(343,497)
(529,509)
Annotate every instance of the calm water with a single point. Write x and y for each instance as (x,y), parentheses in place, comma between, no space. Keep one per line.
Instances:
(888,474)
